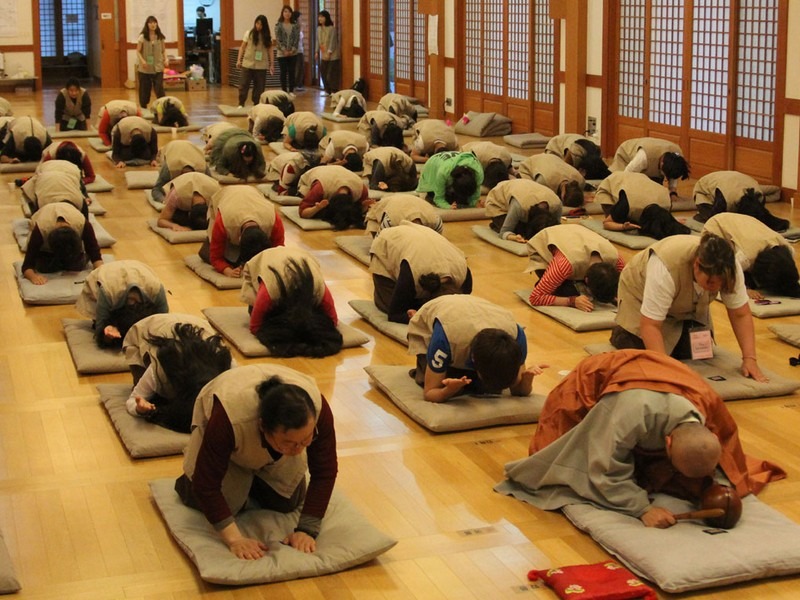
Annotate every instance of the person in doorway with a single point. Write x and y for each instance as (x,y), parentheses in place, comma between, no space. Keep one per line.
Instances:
(151,52)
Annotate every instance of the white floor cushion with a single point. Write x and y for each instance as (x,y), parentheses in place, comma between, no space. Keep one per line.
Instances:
(232,179)
(210,274)
(97,144)
(602,317)
(233,322)
(21,167)
(62,287)
(72,133)
(95,207)
(789,333)
(139,180)
(8,577)
(691,556)
(278,147)
(356,246)
(141,438)
(233,111)
(722,373)
(526,140)
(282,199)
(329,116)
(457,414)
(22,229)
(168,129)
(380,320)
(87,356)
(177,237)
(293,214)
(485,233)
(462,214)
(100,184)
(628,239)
(159,206)
(346,540)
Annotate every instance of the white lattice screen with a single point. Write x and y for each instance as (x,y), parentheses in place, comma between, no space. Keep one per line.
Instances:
(710,66)
(755,80)
(543,52)
(666,62)
(377,23)
(631,59)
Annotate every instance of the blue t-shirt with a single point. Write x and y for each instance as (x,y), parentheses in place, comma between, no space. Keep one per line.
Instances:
(440,357)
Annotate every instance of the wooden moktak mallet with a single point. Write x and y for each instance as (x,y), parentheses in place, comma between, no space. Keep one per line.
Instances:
(722,507)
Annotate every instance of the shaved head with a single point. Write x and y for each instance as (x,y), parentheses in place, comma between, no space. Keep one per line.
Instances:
(694,450)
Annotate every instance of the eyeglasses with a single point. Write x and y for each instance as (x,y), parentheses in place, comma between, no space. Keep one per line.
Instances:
(292,446)
(794,360)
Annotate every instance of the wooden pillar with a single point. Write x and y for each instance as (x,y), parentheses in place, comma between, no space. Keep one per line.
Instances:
(346,20)
(574,14)
(435,62)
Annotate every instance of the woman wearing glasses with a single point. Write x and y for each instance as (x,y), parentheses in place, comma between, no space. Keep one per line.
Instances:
(256,429)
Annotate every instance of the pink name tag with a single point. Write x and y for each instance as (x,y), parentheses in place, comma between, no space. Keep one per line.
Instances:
(701,343)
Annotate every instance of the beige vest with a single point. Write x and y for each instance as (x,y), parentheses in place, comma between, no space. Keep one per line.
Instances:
(331,177)
(425,251)
(154,49)
(639,188)
(61,166)
(348,95)
(179,154)
(677,253)
(138,350)
(277,164)
(157,106)
(462,317)
(25,127)
(257,270)
(396,103)
(114,279)
(653,147)
(392,210)
(128,124)
(263,112)
(559,144)
(381,118)
(52,149)
(238,204)
(249,60)
(273,97)
(393,160)
(211,132)
(73,109)
(302,121)
(236,391)
(431,131)
(486,152)
(189,184)
(748,235)
(5,108)
(55,184)
(341,139)
(528,193)
(115,108)
(732,184)
(576,243)
(47,217)
(553,170)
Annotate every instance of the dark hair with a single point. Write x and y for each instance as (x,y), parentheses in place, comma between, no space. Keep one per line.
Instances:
(265,36)
(392,136)
(774,270)
(354,162)
(297,325)
(146,32)
(284,104)
(354,109)
(460,186)
(69,152)
(674,166)
(65,245)
(497,358)
(32,149)
(572,196)
(189,361)
(440,149)
(399,178)
(140,148)
(602,279)
(73,82)
(539,217)
(657,222)
(752,204)
(327,16)
(123,318)
(253,241)
(310,139)
(343,212)
(271,129)
(291,10)
(172,116)
(283,405)
(594,167)
(436,285)
(296,15)
(235,163)
(495,172)
(198,216)
(717,259)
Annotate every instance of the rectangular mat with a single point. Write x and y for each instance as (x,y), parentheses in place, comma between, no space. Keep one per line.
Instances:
(380,320)
(356,246)
(87,356)
(177,237)
(485,233)
(602,317)
(210,274)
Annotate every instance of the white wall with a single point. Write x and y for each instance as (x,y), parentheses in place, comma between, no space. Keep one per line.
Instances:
(136,12)
(246,11)
(190,13)
(19,24)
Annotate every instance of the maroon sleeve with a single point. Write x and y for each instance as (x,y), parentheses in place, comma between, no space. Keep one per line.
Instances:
(88,170)
(277,235)
(323,465)
(216,245)
(364,194)
(103,129)
(212,464)
(35,241)
(90,245)
(261,308)
(328,306)
(314,195)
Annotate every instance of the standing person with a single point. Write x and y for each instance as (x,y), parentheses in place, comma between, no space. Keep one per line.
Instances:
(300,61)
(255,54)
(287,35)
(330,55)
(73,107)
(151,52)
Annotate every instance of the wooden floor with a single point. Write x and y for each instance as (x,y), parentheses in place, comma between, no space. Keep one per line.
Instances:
(76,511)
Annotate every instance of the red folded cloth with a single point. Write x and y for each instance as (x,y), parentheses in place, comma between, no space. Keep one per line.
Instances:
(601,581)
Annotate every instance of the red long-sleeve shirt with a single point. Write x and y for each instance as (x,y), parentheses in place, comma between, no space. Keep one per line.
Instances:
(316,193)
(219,240)
(88,171)
(558,271)
(263,305)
